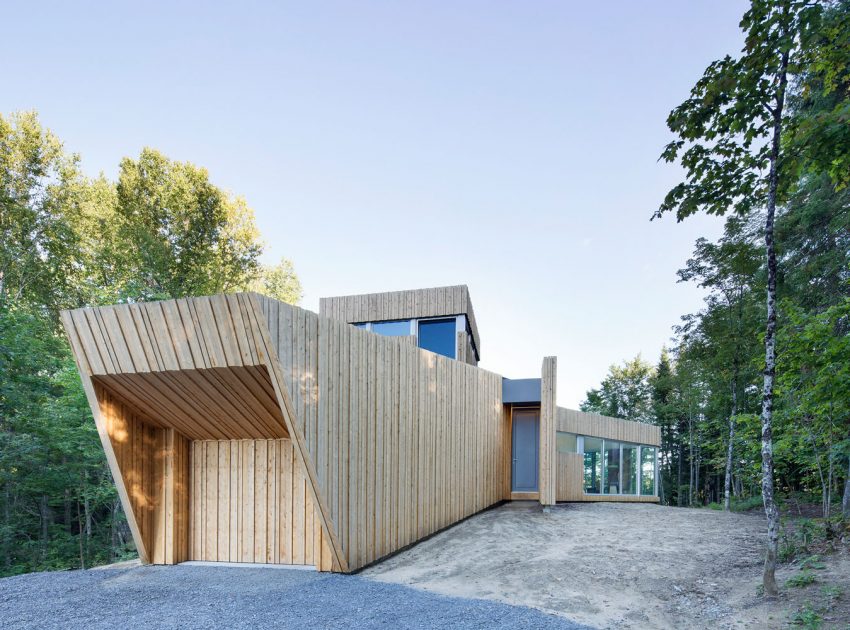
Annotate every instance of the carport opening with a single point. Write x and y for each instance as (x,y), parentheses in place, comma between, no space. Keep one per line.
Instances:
(209,468)
(211,404)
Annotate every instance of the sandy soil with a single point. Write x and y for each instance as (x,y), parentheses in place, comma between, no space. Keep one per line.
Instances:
(605,565)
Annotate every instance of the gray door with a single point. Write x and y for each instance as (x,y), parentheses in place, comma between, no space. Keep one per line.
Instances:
(524,450)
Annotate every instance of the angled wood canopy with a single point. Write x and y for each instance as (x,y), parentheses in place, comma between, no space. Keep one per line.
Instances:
(169,372)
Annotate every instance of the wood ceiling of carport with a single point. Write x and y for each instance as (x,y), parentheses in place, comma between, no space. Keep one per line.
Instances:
(209,404)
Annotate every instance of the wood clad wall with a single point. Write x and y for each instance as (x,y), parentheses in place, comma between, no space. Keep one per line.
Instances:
(570,477)
(417,303)
(250,503)
(405,442)
(571,483)
(154,470)
(548,414)
(185,334)
(596,425)
(200,365)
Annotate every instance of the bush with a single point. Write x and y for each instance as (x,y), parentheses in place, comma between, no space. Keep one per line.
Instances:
(807,617)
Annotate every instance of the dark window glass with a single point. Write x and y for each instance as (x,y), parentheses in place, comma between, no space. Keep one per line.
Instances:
(438,335)
(647,470)
(392,329)
(592,465)
(360,325)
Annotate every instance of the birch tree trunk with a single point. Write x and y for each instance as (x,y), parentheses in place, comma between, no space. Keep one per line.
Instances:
(727,485)
(845,500)
(770,509)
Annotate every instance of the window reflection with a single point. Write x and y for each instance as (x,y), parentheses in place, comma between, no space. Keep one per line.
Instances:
(566,442)
(630,469)
(397,328)
(647,470)
(592,465)
(612,468)
(438,335)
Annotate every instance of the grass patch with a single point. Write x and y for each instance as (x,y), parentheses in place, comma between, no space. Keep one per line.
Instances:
(812,562)
(832,593)
(739,505)
(804,578)
(805,537)
(807,617)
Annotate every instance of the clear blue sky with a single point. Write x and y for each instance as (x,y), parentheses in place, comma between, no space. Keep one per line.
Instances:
(510,146)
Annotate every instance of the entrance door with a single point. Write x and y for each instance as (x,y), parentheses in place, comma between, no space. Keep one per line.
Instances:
(524,450)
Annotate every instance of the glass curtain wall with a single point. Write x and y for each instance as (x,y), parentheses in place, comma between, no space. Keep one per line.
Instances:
(647,471)
(612,467)
(592,465)
(398,328)
(611,483)
(630,469)
(566,442)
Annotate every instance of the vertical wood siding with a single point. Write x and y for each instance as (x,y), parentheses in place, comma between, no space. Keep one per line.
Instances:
(250,504)
(392,442)
(414,304)
(595,425)
(548,412)
(405,442)
(154,468)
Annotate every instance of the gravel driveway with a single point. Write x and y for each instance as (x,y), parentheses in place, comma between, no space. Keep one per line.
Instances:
(186,596)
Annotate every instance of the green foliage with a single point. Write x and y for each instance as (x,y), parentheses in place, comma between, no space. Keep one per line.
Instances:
(740,505)
(162,230)
(625,393)
(807,617)
(763,136)
(182,235)
(803,536)
(37,237)
(813,379)
(723,129)
(279,282)
(802,579)
(831,592)
(812,562)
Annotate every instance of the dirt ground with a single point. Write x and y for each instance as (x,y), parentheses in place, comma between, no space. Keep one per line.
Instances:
(611,565)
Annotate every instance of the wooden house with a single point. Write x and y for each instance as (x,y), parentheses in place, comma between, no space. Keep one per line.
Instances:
(242,429)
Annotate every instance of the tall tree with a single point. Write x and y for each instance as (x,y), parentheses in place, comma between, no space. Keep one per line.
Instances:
(182,234)
(727,269)
(164,230)
(625,392)
(278,281)
(664,412)
(730,144)
(37,240)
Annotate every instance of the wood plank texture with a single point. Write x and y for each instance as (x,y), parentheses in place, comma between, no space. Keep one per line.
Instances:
(548,413)
(154,465)
(596,425)
(413,304)
(239,428)
(247,512)
(405,442)
(204,404)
